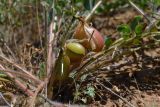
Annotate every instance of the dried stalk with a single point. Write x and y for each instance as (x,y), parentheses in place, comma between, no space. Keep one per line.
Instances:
(150,20)
(108,51)
(1,95)
(92,68)
(39,88)
(19,84)
(116,66)
(20,68)
(22,75)
(139,10)
(123,99)
(50,54)
(51,59)
(93,10)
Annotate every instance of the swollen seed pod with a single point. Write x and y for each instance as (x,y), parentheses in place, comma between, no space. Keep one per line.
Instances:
(60,74)
(99,40)
(80,34)
(75,51)
(62,68)
(65,67)
(92,38)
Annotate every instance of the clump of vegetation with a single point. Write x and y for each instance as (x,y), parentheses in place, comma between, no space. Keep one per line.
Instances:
(62,57)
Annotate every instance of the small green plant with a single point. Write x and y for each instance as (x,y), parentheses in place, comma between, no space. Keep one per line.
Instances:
(136,27)
(62,48)
(90,91)
(108,41)
(3,77)
(42,71)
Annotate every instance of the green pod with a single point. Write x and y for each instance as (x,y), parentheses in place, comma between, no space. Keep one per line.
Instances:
(62,69)
(60,74)
(75,51)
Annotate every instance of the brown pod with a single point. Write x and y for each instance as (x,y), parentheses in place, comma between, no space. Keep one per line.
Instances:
(80,34)
(93,40)
(99,40)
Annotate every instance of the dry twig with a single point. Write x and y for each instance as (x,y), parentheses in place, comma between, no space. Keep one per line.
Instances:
(20,68)
(1,95)
(93,10)
(19,84)
(124,100)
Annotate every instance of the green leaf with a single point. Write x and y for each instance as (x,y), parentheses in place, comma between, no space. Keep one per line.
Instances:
(135,22)
(45,4)
(157,2)
(124,29)
(58,9)
(42,74)
(126,36)
(3,77)
(140,28)
(108,41)
(88,4)
(136,41)
(90,91)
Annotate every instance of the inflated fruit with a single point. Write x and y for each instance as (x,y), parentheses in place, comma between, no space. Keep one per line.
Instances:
(75,51)
(92,39)
(62,68)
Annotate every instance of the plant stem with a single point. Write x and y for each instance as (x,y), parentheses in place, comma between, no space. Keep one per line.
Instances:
(139,10)
(107,52)
(39,88)
(5,99)
(20,68)
(22,75)
(51,60)
(19,84)
(93,10)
